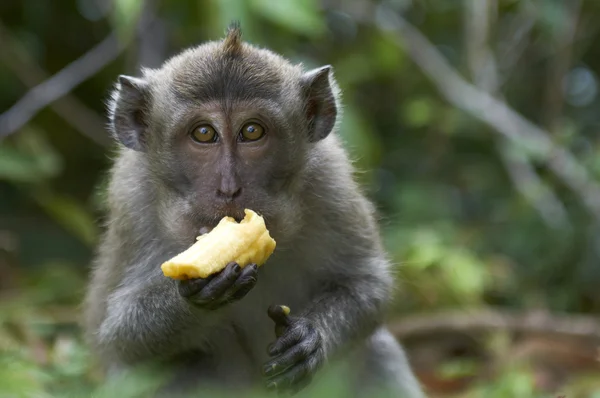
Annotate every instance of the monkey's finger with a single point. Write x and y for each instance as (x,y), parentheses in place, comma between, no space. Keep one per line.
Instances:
(279,314)
(289,358)
(245,282)
(290,338)
(189,287)
(294,377)
(219,284)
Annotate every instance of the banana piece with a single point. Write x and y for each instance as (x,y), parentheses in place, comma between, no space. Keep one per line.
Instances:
(245,243)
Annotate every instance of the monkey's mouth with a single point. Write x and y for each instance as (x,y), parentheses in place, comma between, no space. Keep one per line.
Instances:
(238,217)
(207,226)
(210,216)
(232,210)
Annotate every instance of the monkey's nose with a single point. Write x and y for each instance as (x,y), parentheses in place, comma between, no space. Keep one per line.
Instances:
(229,193)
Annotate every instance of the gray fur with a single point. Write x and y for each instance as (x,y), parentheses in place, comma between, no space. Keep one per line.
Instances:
(329,266)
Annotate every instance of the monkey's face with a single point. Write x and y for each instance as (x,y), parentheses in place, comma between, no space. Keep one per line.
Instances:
(225,156)
(224,127)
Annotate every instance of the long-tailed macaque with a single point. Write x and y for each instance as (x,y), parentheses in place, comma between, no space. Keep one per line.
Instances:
(219,128)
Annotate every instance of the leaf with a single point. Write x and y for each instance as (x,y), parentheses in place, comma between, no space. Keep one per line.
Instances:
(30,159)
(34,143)
(387,56)
(69,213)
(362,142)
(418,112)
(298,16)
(70,357)
(234,10)
(125,16)
(47,285)
(467,274)
(426,249)
(18,167)
(353,70)
(20,378)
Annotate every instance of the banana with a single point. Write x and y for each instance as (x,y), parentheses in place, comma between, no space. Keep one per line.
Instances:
(244,243)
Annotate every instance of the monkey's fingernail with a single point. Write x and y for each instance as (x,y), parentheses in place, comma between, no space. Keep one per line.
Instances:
(268,369)
(271,349)
(285,309)
(237,268)
(271,386)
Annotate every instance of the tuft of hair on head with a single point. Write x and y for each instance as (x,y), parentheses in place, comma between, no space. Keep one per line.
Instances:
(232,44)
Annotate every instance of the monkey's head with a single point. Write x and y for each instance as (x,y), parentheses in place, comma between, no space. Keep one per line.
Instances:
(223,127)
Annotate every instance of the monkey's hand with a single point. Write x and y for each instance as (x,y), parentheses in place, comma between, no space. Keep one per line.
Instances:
(224,287)
(298,352)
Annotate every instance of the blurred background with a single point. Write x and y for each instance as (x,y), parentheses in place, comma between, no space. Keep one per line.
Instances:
(475,128)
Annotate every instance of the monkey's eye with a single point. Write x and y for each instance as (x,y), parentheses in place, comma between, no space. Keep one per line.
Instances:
(204,134)
(252,131)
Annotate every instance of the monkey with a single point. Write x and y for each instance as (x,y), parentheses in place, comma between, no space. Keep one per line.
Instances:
(220,127)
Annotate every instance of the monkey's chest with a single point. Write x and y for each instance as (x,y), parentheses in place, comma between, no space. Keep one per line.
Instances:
(249,322)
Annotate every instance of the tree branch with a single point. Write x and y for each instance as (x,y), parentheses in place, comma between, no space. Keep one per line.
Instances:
(554,100)
(496,113)
(486,320)
(532,188)
(71,109)
(482,65)
(60,84)
(518,37)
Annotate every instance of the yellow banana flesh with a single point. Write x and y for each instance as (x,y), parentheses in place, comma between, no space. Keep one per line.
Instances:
(245,243)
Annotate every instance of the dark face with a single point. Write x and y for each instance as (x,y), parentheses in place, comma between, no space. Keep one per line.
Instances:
(228,156)
(225,141)
(224,131)
(225,157)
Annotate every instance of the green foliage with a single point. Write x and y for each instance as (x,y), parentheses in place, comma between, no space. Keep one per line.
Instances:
(69,213)
(418,112)
(513,383)
(301,17)
(30,159)
(125,16)
(455,223)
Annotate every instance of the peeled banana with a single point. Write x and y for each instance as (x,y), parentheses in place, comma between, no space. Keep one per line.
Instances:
(244,243)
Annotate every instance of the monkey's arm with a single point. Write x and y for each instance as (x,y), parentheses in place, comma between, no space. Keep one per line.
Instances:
(158,316)
(345,311)
(144,319)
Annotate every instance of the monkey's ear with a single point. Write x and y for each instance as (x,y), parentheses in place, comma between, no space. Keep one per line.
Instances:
(321,108)
(128,113)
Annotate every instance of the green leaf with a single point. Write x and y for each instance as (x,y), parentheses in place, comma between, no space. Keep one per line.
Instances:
(387,56)
(70,214)
(125,16)
(418,112)
(426,249)
(353,70)
(459,368)
(468,275)
(234,10)
(18,167)
(361,141)
(29,159)
(299,16)
(20,378)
